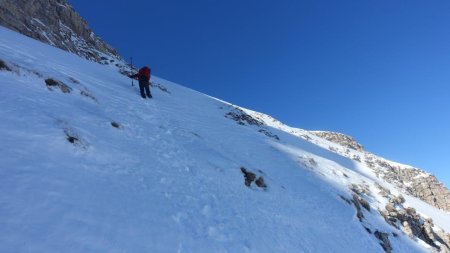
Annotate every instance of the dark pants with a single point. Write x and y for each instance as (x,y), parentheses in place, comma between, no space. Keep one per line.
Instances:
(145,86)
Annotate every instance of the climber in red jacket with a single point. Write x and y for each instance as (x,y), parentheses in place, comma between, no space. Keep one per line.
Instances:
(143,76)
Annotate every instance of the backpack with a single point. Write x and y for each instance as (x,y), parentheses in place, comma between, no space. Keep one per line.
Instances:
(144,74)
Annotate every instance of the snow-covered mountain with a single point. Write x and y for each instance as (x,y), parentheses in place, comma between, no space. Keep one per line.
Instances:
(408,179)
(86,165)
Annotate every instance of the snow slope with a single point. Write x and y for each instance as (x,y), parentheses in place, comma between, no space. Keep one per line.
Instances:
(168,179)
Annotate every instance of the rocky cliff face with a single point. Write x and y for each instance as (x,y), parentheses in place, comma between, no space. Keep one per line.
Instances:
(55,22)
(410,180)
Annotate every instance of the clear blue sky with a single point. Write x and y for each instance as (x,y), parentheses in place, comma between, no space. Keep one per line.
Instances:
(378,70)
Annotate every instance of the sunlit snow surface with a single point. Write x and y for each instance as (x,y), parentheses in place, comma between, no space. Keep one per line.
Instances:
(167,180)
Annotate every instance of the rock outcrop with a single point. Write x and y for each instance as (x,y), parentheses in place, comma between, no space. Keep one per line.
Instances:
(410,180)
(55,22)
(413,224)
(342,139)
(413,181)
(244,119)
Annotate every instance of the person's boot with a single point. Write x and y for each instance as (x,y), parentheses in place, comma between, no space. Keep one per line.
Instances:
(147,91)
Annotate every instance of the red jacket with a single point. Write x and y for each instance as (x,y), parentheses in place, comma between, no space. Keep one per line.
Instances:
(143,75)
(145,71)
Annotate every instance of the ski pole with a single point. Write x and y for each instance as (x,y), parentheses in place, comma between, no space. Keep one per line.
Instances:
(132,81)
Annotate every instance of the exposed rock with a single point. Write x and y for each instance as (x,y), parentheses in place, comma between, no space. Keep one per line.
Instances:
(356,158)
(73,80)
(390,208)
(359,193)
(74,139)
(52,83)
(383,191)
(407,229)
(88,94)
(55,22)
(243,118)
(360,189)
(415,182)
(397,200)
(443,239)
(342,139)
(412,181)
(384,241)
(356,202)
(160,86)
(4,66)
(260,182)
(345,199)
(414,225)
(115,124)
(249,176)
(313,163)
(364,204)
(269,134)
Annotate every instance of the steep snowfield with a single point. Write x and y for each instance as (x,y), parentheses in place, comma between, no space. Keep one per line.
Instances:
(168,179)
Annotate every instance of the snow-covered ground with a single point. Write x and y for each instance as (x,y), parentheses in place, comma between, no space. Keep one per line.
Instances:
(168,179)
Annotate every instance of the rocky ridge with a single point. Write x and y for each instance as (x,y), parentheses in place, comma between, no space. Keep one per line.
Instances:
(342,139)
(410,180)
(55,22)
(412,223)
(402,218)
